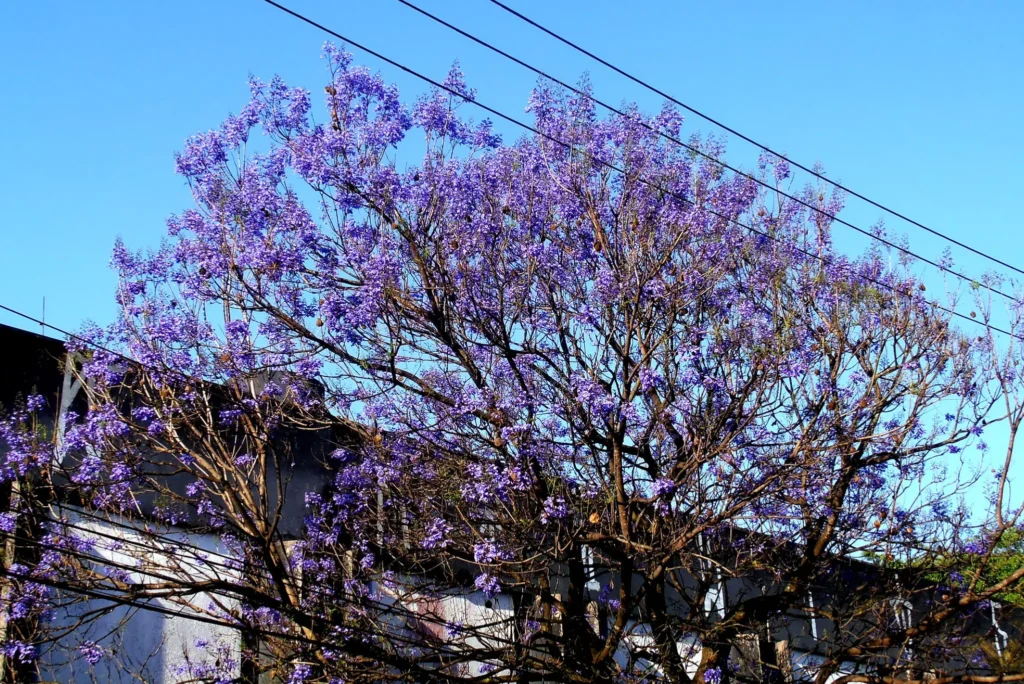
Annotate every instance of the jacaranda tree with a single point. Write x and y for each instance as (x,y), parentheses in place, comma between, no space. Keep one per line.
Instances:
(637,411)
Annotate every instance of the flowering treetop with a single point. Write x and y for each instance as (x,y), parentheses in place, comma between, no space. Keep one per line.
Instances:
(587,343)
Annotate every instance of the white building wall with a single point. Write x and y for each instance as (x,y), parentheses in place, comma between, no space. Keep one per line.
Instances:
(807,665)
(140,644)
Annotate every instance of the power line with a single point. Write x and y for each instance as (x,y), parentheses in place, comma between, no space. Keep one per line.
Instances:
(702,153)
(613,167)
(150,606)
(150,533)
(95,345)
(153,534)
(226,588)
(750,140)
(235,592)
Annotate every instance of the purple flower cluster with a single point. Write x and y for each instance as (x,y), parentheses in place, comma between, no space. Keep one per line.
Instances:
(492,355)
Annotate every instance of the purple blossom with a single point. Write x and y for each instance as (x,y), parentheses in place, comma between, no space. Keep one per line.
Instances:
(301,673)
(488,584)
(8,522)
(425,350)
(91,651)
(662,487)
(488,552)
(437,534)
(20,651)
(555,508)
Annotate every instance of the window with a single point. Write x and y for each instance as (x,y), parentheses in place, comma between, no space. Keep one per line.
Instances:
(901,611)
(589,568)
(902,617)
(714,599)
(811,615)
(1001,638)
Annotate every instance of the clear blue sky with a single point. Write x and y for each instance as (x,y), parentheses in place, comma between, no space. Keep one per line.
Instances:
(917,104)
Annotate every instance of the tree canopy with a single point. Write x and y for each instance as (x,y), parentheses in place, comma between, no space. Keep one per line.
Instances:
(642,405)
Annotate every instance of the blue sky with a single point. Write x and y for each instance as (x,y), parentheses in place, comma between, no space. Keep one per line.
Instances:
(915,104)
(911,103)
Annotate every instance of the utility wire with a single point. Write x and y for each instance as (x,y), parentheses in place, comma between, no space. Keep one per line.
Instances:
(226,591)
(237,593)
(44,324)
(95,345)
(613,167)
(150,606)
(753,142)
(696,150)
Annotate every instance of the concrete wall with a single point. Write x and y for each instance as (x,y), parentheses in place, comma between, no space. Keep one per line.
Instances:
(140,644)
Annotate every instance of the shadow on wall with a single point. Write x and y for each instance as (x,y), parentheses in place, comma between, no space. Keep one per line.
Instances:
(133,644)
